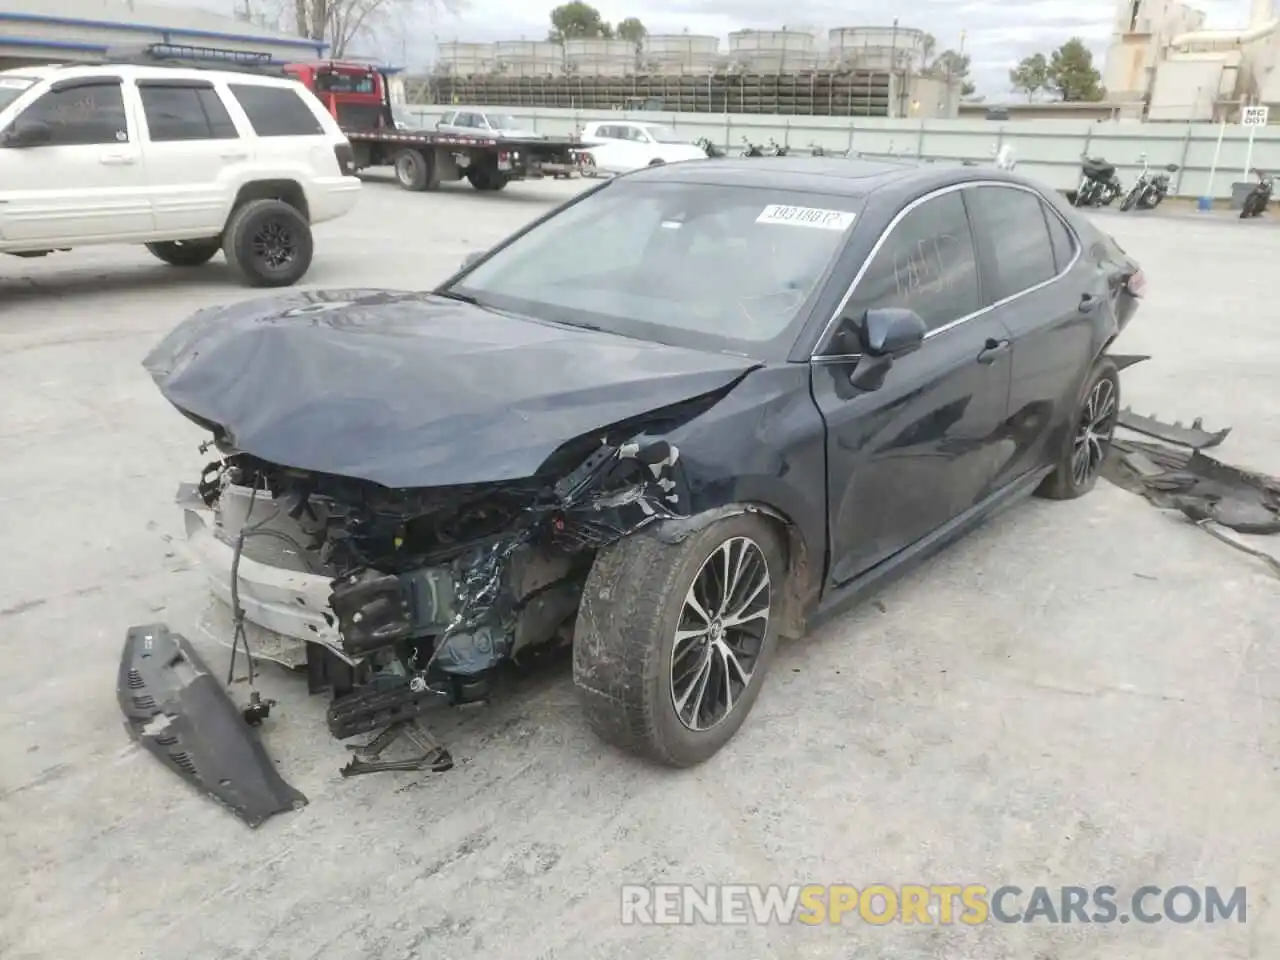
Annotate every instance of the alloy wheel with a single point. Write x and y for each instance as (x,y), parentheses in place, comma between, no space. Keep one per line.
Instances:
(723,622)
(274,245)
(1093,432)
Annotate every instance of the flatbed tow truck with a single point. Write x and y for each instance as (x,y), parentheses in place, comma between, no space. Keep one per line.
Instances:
(358,97)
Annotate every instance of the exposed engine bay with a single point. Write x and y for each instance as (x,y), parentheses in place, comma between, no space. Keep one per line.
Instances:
(428,590)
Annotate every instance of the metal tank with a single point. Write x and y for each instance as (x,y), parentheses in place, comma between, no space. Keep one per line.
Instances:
(529,58)
(465,59)
(597,57)
(680,53)
(877,48)
(773,51)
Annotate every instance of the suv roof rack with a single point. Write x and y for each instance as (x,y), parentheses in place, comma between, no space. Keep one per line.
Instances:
(197,58)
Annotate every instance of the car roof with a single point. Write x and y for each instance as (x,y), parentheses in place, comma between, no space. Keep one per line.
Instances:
(831,175)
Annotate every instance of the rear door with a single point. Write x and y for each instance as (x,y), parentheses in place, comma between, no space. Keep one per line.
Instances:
(905,459)
(1049,298)
(194,156)
(87,182)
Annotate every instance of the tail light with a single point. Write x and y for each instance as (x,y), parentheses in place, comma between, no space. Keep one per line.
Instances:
(1136,283)
(346,158)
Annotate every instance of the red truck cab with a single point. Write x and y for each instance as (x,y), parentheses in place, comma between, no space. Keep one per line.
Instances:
(355,94)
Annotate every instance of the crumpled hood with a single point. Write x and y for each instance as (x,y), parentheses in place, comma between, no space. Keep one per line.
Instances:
(412,390)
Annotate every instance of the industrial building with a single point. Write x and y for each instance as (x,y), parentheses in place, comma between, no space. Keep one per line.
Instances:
(858,71)
(1166,66)
(60,31)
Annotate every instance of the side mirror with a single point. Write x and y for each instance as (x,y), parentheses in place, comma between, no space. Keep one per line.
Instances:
(472,258)
(892,332)
(884,335)
(33,133)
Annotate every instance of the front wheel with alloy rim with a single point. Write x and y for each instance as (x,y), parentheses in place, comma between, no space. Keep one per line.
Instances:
(268,243)
(1089,441)
(185,253)
(673,640)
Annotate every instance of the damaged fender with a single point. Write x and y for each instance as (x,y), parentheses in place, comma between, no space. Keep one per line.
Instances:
(177,710)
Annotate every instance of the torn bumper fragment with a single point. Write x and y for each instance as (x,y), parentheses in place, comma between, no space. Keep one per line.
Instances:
(181,713)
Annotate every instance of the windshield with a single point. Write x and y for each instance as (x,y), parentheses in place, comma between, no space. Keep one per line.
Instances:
(708,266)
(502,121)
(11,88)
(666,135)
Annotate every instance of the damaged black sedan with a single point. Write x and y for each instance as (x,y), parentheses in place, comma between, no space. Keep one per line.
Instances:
(692,410)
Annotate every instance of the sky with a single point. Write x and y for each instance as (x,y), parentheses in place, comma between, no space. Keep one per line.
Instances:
(998,33)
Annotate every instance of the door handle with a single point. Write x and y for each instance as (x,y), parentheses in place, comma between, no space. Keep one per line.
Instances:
(116,159)
(1089,303)
(993,349)
(234,155)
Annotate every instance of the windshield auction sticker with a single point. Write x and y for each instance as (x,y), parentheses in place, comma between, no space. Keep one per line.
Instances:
(806,217)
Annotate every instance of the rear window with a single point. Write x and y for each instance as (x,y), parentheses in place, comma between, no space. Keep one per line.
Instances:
(708,266)
(276,111)
(1014,222)
(11,88)
(346,83)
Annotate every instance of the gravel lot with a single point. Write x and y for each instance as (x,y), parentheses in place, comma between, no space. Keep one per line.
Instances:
(1081,693)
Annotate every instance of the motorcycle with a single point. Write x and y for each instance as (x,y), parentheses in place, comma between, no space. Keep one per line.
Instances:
(1149,189)
(818,150)
(776,149)
(709,148)
(750,149)
(1255,204)
(1099,185)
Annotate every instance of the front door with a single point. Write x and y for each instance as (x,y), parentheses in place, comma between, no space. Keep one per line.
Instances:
(86,183)
(904,459)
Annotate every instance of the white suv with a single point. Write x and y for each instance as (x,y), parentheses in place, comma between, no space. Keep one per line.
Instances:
(184,160)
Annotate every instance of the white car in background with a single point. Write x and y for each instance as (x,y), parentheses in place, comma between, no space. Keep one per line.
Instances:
(616,146)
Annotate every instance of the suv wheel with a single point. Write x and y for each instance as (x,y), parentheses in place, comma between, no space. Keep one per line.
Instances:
(268,243)
(673,641)
(185,253)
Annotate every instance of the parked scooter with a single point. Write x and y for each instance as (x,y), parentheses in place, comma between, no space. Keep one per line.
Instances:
(1255,204)
(1149,189)
(1099,185)
(709,148)
(750,149)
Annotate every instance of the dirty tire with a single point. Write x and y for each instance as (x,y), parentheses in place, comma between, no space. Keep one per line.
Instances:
(1129,200)
(1065,483)
(185,253)
(256,239)
(486,177)
(412,169)
(626,629)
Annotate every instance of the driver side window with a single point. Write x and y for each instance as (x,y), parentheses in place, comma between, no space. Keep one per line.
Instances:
(81,115)
(926,264)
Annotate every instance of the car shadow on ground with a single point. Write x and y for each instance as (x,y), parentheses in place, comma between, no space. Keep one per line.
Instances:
(85,281)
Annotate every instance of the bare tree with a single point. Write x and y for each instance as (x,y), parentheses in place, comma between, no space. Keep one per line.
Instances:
(339,22)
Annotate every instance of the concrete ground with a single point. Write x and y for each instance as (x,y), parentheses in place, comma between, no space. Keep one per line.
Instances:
(1081,693)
